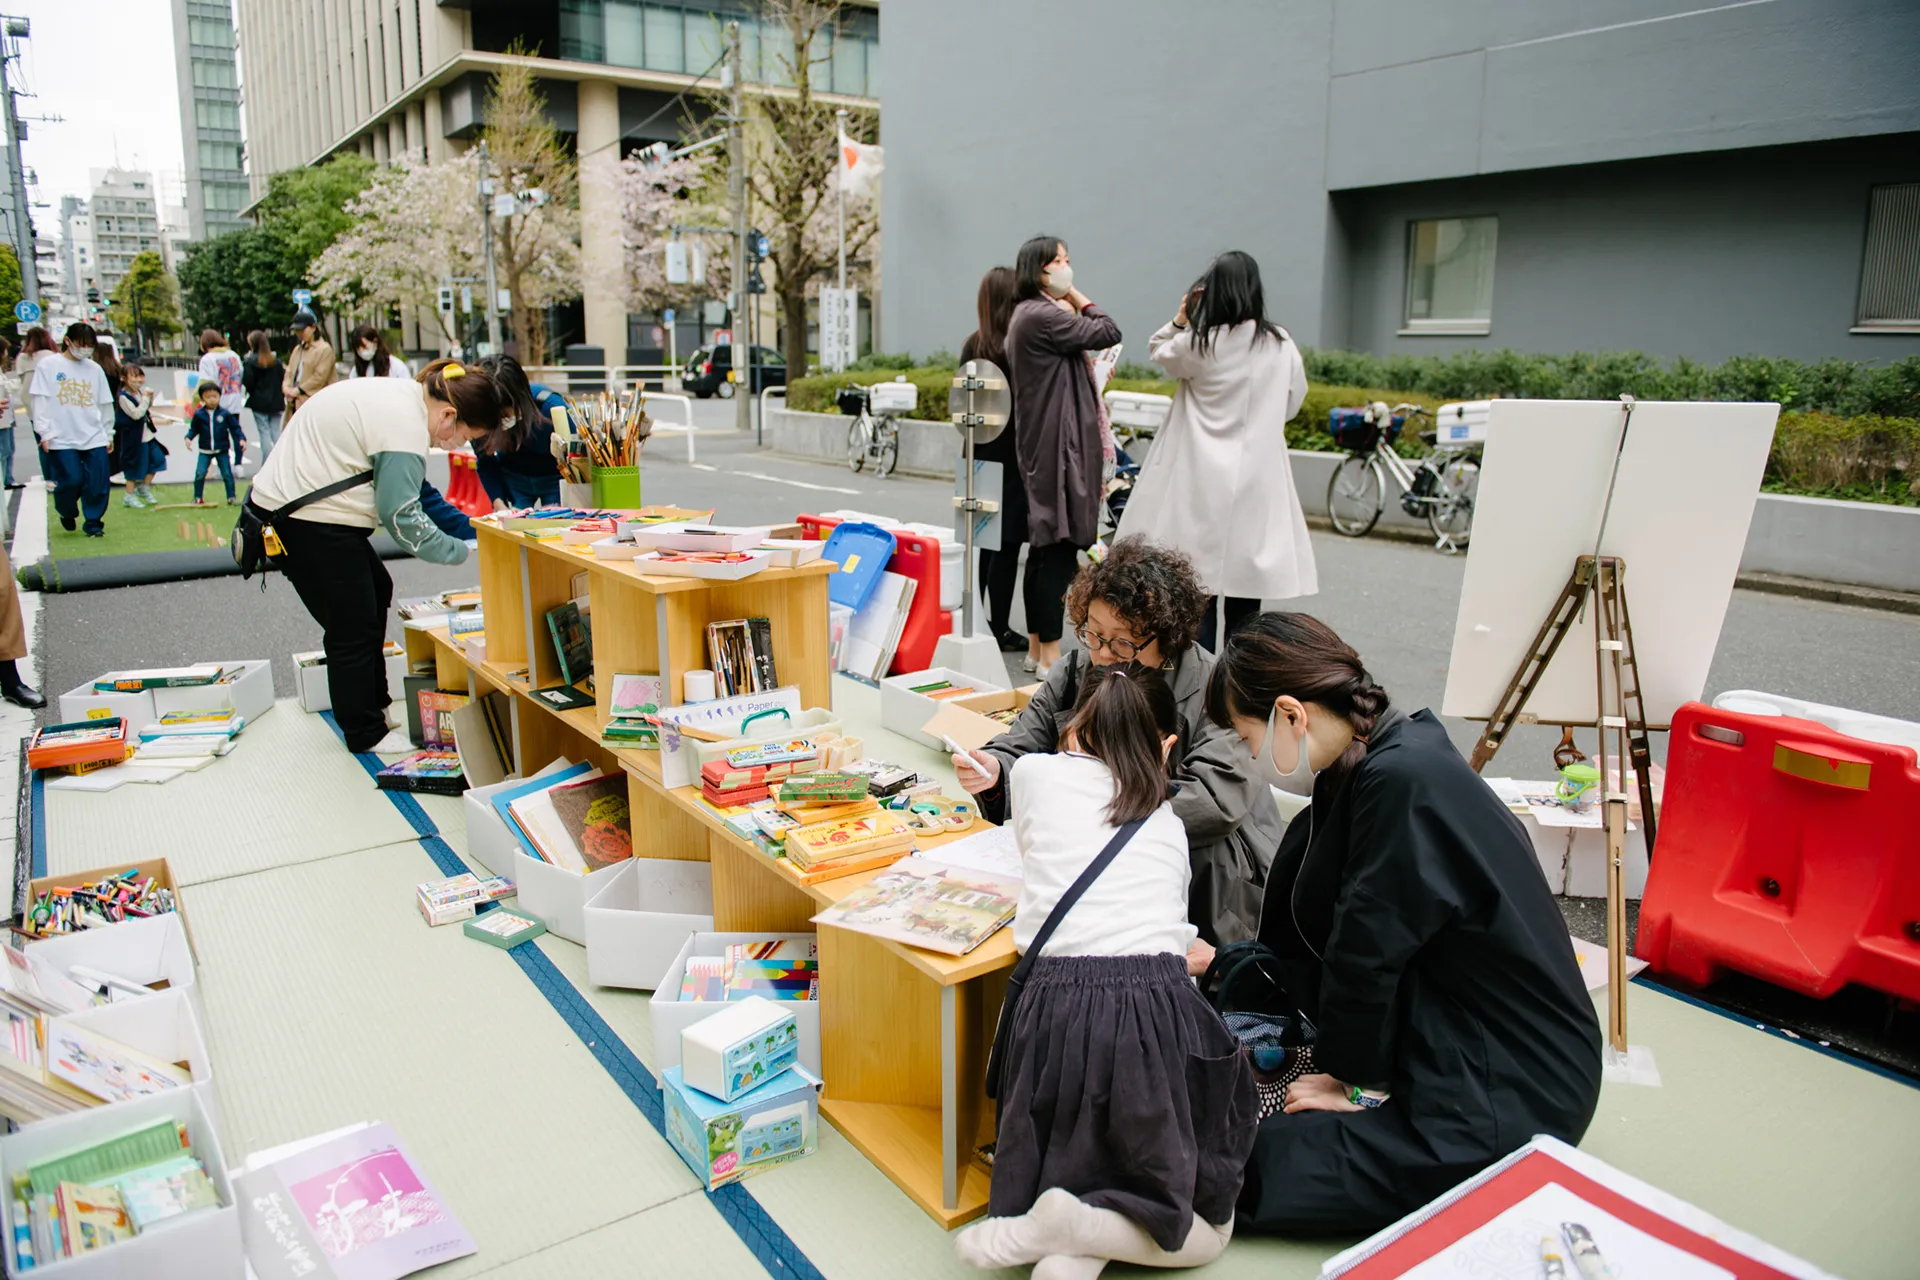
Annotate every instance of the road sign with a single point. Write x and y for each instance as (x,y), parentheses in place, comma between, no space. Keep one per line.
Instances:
(678,268)
(303,297)
(666,317)
(837,316)
(26,312)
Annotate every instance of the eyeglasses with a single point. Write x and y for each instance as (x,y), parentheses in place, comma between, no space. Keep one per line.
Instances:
(1125,650)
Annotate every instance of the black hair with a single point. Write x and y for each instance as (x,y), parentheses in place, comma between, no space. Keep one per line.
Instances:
(517,394)
(206,385)
(1030,263)
(382,361)
(1154,589)
(1227,293)
(81,334)
(1296,655)
(1123,714)
(474,395)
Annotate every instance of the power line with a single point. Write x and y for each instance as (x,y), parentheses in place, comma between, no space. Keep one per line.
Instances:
(671,103)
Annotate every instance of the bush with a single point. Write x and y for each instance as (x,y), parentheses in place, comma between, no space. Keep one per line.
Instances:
(815,394)
(1865,459)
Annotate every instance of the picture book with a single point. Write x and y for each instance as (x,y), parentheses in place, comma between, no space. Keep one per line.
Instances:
(504,929)
(919,902)
(436,717)
(157,678)
(90,1217)
(572,642)
(596,818)
(563,697)
(224,722)
(163,1191)
(534,816)
(433,772)
(351,1206)
(106,1068)
(502,801)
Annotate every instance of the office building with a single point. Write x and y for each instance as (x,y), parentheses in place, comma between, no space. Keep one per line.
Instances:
(203,54)
(392,78)
(1421,176)
(126,222)
(78,267)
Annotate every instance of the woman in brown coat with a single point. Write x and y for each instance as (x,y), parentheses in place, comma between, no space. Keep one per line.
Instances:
(13,640)
(1054,325)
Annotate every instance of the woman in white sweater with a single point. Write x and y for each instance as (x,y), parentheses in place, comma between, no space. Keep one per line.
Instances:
(1218,483)
(1125,1105)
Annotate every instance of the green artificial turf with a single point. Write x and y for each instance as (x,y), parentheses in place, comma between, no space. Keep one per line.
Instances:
(131,532)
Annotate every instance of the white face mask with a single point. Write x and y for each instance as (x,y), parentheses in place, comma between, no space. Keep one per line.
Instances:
(1059,280)
(366,353)
(1299,781)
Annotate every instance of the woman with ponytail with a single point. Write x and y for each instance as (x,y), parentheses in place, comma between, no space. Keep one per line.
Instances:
(1126,1109)
(1414,930)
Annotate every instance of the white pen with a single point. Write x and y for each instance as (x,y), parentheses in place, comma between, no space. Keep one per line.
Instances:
(965,755)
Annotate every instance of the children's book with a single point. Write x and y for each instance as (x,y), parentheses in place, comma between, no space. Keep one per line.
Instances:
(553,775)
(351,1205)
(106,1068)
(924,904)
(159,1192)
(596,818)
(224,721)
(572,643)
(636,694)
(436,717)
(90,1217)
(433,772)
(157,678)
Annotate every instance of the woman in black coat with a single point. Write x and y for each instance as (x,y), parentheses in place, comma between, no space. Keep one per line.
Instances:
(1000,569)
(1414,929)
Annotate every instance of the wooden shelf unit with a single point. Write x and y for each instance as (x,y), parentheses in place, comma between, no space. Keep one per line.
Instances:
(904,1032)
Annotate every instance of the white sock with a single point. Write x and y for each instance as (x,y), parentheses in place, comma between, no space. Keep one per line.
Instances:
(1085,1231)
(1046,1229)
(1065,1266)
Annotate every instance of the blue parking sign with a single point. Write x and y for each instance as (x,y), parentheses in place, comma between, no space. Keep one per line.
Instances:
(26,312)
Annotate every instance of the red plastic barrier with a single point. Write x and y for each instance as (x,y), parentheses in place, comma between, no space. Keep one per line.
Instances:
(918,558)
(463,485)
(1787,851)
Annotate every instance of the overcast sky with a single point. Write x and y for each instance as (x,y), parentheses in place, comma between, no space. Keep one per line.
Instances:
(107,67)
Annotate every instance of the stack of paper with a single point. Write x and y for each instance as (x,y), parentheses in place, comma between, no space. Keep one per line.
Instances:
(867,650)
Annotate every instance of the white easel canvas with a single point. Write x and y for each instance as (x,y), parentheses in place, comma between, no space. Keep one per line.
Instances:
(1688,478)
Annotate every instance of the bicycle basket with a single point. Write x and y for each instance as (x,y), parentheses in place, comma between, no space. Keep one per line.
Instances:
(1352,430)
(851,400)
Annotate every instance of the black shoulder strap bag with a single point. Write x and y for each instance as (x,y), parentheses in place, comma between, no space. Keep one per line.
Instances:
(1003,1032)
(256,548)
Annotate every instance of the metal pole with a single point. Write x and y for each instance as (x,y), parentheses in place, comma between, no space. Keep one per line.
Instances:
(967,514)
(486,240)
(17,177)
(737,193)
(840,173)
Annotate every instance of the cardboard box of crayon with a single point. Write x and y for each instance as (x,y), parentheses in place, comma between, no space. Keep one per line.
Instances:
(250,693)
(724,1142)
(155,867)
(671,1016)
(310,677)
(201,1246)
(640,918)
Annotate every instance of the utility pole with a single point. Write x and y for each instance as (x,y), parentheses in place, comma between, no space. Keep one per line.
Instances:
(737,193)
(18,29)
(840,186)
(486,240)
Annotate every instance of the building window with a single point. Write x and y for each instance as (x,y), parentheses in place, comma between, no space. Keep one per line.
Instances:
(1890,269)
(218,35)
(216,115)
(1450,275)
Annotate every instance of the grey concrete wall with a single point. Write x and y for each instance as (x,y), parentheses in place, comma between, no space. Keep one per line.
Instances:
(1149,137)
(1730,253)
(1857,542)
(927,449)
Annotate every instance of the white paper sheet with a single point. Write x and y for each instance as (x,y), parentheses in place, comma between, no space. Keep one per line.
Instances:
(992,851)
(1508,1248)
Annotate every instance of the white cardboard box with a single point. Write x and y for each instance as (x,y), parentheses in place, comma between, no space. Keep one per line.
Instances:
(904,711)
(670,1015)
(556,896)
(164,1025)
(144,951)
(489,842)
(202,1246)
(641,918)
(83,703)
(251,694)
(310,683)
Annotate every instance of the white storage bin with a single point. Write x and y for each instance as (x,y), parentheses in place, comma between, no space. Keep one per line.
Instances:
(251,693)
(904,711)
(83,703)
(310,683)
(201,1246)
(164,1026)
(489,841)
(149,951)
(670,1015)
(555,896)
(1855,724)
(641,918)
(1587,862)
(1463,422)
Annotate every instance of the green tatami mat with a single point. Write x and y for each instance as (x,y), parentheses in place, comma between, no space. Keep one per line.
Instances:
(289,792)
(684,1237)
(329,1000)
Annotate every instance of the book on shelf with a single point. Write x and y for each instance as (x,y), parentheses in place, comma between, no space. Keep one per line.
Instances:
(572,642)
(922,903)
(432,772)
(157,678)
(480,738)
(346,1205)
(563,697)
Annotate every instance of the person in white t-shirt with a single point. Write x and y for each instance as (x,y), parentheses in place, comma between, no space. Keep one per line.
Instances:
(371,359)
(73,416)
(381,429)
(1126,1106)
(220,366)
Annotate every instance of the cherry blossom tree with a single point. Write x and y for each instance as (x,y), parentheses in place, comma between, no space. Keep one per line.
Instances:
(654,197)
(537,249)
(415,226)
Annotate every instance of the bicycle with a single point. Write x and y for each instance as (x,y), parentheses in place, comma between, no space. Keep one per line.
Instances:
(869,435)
(1441,487)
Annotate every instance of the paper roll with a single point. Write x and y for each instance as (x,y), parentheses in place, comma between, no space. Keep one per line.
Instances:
(697,686)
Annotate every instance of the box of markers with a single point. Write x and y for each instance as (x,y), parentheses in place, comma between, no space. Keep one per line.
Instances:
(63,904)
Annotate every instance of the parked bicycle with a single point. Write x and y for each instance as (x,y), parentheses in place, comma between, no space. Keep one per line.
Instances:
(1440,488)
(871,437)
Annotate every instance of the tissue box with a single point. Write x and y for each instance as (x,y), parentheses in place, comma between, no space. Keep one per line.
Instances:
(310,676)
(724,1142)
(737,1050)
(906,712)
(670,1016)
(641,918)
(250,693)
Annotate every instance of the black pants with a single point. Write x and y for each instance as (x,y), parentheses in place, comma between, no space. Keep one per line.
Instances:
(1238,611)
(345,587)
(81,482)
(1050,571)
(999,570)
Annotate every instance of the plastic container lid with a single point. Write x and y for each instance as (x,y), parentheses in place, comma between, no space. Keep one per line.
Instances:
(862,552)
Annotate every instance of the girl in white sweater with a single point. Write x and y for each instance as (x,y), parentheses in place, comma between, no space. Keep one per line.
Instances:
(1126,1109)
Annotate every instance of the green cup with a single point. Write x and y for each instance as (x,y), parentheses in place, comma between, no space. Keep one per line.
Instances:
(1578,782)
(616,488)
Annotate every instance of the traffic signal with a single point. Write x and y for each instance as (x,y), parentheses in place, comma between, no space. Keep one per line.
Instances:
(446,299)
(754,283)
(93,296)
(758,246)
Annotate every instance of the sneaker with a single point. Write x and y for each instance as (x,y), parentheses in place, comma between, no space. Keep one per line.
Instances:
(233,502)
(69,523)
(131,501)
(96,533)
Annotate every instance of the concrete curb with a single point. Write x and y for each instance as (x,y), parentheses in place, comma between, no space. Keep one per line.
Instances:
(1832,592)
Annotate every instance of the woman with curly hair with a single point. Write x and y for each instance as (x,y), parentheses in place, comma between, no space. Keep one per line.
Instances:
(1143,604)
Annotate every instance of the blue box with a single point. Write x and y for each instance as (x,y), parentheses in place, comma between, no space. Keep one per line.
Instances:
(724,1142)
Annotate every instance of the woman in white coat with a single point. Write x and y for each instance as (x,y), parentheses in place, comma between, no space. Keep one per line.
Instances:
(1218,483)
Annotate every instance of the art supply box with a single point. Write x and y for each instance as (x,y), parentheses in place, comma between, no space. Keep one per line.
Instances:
(724,1142)
(164,1026)
(641,917)
(967,722)
(740,1048)
(310,681)
(671,1016)
(906,712)
(201,1246)
(250,693)
(155,867)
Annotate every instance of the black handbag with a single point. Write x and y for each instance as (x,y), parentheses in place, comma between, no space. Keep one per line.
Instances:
(1243,983)
(256,548)
(1003,1032)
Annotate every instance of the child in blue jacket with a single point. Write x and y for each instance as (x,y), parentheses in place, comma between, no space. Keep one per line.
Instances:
(215,432)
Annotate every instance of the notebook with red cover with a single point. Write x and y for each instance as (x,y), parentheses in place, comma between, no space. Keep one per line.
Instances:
(1491,1226)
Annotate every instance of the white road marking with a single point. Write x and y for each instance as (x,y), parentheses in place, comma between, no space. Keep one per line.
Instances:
(702,466)
(798,484)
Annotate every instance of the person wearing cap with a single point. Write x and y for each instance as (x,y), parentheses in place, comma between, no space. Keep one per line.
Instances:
(361,430)
(310,367)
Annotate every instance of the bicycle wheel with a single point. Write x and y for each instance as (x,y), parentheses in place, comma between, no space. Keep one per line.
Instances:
(887,449)
(1450,515)
(856,445)
(1355,494)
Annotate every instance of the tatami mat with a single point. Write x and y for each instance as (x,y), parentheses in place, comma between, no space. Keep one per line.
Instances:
(683,1237)
(288,793)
